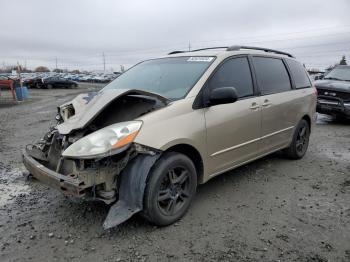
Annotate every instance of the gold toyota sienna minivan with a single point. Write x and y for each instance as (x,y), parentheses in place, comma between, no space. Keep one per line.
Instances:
(145,141)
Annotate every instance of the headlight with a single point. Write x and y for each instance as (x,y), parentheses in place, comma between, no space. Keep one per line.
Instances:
(105,141)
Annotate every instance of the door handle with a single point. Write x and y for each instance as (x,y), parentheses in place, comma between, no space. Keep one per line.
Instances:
(254,106)
(266,103)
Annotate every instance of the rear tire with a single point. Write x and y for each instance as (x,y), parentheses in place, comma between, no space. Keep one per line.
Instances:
(170,189)
(300,142)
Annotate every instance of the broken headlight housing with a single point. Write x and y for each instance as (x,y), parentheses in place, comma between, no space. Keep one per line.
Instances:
(106,141)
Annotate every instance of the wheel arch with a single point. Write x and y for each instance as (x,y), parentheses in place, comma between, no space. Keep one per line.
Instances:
(193,154)
(308,120)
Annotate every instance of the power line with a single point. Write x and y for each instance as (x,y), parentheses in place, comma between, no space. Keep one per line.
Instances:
(166,49)
(307,54)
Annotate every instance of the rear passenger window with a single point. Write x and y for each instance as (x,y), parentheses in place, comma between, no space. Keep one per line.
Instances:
(272,75)
(299,74)
(234,73)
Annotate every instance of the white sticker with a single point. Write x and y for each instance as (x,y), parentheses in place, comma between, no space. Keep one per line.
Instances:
(200,59)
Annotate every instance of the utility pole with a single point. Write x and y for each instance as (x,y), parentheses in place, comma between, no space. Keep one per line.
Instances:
(104,62)
(189,46)
(56,61)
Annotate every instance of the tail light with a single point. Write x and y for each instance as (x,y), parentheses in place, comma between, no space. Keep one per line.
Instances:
(315,90)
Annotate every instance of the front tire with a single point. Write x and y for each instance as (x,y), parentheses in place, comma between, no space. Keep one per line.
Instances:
(170,189)
(300,142)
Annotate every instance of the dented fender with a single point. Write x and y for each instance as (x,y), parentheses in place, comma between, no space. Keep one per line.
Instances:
(131,190)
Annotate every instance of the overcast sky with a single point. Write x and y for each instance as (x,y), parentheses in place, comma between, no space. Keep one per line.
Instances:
(77,32)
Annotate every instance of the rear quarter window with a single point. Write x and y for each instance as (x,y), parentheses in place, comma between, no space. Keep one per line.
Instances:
(272,75)
(299,75)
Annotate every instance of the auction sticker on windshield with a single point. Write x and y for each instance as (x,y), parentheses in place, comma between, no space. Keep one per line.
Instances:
(200,59)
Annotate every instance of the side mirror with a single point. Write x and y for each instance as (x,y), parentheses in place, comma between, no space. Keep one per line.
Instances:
(222,95)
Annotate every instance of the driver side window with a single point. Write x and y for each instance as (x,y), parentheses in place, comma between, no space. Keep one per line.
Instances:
(234,73)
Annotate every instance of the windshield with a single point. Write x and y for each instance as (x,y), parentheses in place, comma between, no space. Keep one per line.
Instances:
(172,78)
(339,73)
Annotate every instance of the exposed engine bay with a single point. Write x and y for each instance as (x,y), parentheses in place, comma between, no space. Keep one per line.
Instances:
(97,178)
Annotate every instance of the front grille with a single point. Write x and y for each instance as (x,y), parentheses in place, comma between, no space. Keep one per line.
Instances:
(334,94)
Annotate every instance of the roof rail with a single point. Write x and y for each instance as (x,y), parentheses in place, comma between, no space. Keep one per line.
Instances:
(176,52)
(195,50)
(208,48)
(237,47)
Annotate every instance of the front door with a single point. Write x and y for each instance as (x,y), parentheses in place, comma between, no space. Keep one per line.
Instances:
(233,130)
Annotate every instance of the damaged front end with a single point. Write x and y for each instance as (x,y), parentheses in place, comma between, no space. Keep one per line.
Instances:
(90,154)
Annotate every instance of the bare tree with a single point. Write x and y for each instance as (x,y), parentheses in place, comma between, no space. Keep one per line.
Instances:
(42,69)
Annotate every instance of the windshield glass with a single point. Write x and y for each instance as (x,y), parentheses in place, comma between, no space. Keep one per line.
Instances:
(339,73)
(172,78)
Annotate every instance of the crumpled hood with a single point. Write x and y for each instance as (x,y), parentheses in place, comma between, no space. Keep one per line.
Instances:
(88,106)
(342,86)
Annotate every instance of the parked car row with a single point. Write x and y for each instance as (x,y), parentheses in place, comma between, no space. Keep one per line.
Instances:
(66,80)
(94,78)
(49,82)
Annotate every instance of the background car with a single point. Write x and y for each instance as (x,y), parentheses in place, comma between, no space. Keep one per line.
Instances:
(334,93)
(54,82)
(35,82)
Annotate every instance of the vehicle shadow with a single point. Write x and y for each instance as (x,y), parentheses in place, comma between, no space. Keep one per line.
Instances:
(95,212)
(214,188)
(235,176)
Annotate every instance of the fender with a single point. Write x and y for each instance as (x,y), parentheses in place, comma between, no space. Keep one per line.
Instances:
(131,190)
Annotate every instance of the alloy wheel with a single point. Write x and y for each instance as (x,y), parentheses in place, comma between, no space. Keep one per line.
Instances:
(174,190)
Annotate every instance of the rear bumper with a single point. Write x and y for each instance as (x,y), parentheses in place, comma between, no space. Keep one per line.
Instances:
(70,186)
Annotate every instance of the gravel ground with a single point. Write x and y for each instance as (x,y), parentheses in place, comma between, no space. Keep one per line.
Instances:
(273,209)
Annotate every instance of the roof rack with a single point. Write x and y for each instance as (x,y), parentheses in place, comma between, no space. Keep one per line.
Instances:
(196,50)
(236,48)
(176,52)
(208,48)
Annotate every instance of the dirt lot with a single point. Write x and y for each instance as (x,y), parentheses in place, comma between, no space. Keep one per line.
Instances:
(271,210)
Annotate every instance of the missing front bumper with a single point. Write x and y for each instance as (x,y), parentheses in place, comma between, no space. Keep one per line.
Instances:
(70,186)
(131,190)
